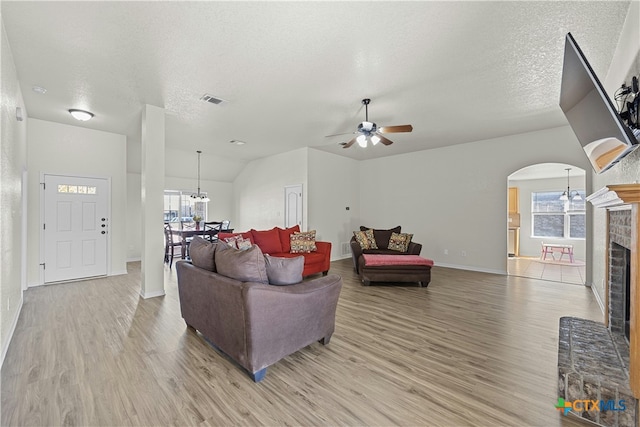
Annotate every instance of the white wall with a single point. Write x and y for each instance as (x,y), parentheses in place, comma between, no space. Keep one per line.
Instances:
(333,186)
(455,197)
(259,190)
(12,163)
(64,149)
(531,246)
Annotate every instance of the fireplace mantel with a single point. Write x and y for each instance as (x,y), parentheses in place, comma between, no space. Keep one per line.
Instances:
(614,197)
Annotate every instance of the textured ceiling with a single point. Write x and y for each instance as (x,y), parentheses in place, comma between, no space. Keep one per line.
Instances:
(295,72)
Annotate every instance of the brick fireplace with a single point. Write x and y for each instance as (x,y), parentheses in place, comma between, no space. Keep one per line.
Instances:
(601,361)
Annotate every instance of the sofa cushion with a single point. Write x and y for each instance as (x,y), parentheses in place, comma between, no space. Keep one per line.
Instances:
(284,271)
(303,242)
(382,236)
(246,235)
(202,253)
(285,237)
(246,266)
(400,241)
(269,240)
(366,239)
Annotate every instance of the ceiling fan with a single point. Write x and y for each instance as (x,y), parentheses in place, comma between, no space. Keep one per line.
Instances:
(370,132)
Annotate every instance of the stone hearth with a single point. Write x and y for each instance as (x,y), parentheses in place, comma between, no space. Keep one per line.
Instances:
(593,364)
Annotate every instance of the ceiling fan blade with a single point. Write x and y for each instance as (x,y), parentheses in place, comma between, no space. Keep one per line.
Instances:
(338,134)
(395,129)
(350,143)
(384,140)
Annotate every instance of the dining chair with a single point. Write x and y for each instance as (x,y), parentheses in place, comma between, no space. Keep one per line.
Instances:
(212,226)
(170,245)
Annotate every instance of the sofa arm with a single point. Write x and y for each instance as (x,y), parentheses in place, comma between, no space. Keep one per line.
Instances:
(283,319)
(414,248)
(325,249)
(356,251)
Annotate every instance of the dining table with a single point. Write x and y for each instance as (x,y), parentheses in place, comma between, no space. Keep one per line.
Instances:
(186,233)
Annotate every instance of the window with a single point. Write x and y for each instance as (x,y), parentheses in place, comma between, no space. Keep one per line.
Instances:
(552,217)
(180,207)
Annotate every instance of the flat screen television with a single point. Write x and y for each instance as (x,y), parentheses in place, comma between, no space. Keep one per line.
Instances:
(604,136)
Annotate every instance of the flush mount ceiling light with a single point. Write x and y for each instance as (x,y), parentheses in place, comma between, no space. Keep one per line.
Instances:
(81,115)
(39,89)
(237,142)
(199,197)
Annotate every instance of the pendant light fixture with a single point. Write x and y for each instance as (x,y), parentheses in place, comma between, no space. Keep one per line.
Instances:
(569,194)
(199,197)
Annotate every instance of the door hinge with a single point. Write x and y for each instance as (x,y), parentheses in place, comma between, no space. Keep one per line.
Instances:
(44,185)
(43,266)
(44,226)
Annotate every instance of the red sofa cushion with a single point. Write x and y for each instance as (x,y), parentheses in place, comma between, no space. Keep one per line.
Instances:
(285,236)
(269,241)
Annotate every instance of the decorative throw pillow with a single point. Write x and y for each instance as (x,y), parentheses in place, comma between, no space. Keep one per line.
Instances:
(284,271)
(399,241)
(365,239)
(246,266)
(202,253)
(371,238)
(246,235)
(238,242)
(303,242)
(382,236)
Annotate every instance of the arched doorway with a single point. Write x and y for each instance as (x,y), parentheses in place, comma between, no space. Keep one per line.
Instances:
(547,227)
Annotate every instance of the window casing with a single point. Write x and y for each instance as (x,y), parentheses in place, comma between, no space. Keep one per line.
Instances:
(552,217)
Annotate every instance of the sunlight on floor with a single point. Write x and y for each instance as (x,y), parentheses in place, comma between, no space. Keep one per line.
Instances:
(533,267)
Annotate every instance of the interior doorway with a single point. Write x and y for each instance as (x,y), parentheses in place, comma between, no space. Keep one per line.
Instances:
(293,206)
(546,223)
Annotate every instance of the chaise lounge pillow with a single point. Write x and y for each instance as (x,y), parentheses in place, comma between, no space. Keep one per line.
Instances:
(400,241)
(366,239)
(202,253)
(383,236)
(246,236)
(246,266)
(284,271)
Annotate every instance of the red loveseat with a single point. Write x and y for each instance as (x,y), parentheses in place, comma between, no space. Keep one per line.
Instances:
(276,242)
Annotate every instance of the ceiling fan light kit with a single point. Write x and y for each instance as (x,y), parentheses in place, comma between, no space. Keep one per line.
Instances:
(370,132)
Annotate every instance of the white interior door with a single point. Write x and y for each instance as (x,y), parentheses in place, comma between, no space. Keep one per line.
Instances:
(76,227)
(293,205)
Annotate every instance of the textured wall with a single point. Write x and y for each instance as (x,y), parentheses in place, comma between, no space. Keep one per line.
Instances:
(625,172)
(12,163)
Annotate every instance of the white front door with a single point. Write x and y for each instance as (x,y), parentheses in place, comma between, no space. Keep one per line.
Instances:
(293,205)
(76,227)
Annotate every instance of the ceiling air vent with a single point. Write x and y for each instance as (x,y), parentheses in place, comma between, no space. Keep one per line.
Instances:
(212,99)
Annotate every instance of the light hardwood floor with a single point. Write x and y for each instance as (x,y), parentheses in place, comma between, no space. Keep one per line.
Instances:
(471,349)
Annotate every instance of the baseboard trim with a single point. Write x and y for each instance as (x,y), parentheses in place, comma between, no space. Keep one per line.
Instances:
(14,323)
(148,295)
(118,273)
(597,296)
(135,259)
(469,268)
